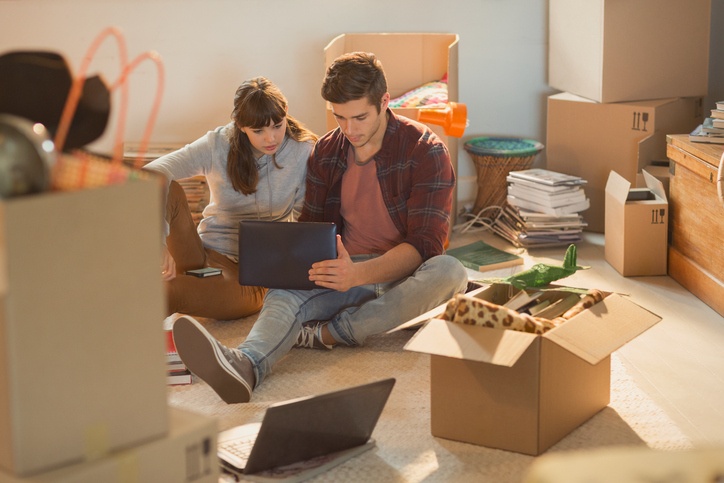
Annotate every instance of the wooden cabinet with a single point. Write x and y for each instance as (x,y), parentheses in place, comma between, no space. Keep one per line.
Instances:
(696,224)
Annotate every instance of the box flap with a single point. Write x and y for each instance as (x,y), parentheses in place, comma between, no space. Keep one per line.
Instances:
(410,59)
(653,183)
(617,186)
(597,332)
(432,313)
(651,147)
(481,344)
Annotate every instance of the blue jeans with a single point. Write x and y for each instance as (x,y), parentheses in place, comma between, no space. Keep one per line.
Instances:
(353,315)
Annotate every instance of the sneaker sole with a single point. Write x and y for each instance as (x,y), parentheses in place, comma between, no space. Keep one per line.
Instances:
(201,356)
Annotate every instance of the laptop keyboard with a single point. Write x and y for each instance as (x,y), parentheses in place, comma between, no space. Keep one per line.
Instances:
(241,448)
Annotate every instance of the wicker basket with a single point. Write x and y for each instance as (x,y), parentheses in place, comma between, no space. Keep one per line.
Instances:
(494,158)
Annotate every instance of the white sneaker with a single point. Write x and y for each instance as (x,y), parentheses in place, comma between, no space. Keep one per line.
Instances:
(311,337)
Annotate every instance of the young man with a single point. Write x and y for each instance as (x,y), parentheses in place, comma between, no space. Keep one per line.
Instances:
(387,182)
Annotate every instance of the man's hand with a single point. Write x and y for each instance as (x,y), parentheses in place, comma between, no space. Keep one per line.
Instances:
(168,265)
(342,273)
(337,274)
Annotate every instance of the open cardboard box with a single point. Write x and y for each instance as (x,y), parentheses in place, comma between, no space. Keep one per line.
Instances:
(410,60)
(519,391)
(637,224)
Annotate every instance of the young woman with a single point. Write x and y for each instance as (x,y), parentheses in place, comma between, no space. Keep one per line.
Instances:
(255,168)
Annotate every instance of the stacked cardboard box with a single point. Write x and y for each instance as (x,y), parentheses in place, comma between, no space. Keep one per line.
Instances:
(613,61)
(82,370)
(187,453)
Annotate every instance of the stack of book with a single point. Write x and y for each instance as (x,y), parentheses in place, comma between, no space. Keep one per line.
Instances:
(712,130)
(176,371)
(543,209)
(544,191)
(546,305)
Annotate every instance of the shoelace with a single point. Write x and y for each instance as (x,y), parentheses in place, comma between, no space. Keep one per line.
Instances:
(234,357)
(307,337)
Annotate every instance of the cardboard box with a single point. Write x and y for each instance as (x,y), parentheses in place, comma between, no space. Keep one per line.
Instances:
(186,454)
(518,391)
(637,223)
(82,369)
(410,60)
(590,139)
(614,51)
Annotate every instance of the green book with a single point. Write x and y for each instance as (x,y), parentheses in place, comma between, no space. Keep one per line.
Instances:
(483,257)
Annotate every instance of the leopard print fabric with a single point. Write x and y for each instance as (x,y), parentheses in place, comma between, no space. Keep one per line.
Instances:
(591,298)
(465,309)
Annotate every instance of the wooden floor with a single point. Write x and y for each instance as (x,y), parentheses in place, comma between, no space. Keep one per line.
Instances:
(679,362)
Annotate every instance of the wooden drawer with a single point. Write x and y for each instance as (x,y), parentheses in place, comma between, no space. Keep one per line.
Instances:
(696,224)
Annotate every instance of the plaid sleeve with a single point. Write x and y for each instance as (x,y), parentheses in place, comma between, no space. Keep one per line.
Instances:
(430,202)
(321,200)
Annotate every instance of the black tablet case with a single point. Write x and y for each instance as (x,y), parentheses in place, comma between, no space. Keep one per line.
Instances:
(279,254)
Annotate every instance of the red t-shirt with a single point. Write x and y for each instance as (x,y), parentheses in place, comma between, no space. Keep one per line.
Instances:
(370,229)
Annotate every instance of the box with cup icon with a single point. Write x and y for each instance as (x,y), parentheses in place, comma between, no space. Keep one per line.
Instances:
(637,221)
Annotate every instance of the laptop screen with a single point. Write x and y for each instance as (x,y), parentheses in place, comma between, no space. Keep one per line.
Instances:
(304,428)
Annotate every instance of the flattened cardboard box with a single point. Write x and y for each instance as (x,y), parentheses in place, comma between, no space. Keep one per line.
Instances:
(637,224)
(589,139)
(518,391)
(82,368)
(186,454)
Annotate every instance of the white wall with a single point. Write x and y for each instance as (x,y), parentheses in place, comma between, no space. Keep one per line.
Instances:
(209,46)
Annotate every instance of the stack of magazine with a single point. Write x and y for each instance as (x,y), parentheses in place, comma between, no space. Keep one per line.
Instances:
(543,209)
(712,130)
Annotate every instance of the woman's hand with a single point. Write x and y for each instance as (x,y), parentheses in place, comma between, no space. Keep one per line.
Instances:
(168,265)
(337,274)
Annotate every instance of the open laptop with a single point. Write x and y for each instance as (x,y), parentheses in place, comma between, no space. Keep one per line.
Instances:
(279,254)
(305,428)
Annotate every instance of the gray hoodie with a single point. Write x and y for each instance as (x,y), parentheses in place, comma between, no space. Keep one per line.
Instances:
(279,195)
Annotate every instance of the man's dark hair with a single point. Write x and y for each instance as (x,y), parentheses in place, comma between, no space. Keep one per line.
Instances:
(354,76)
